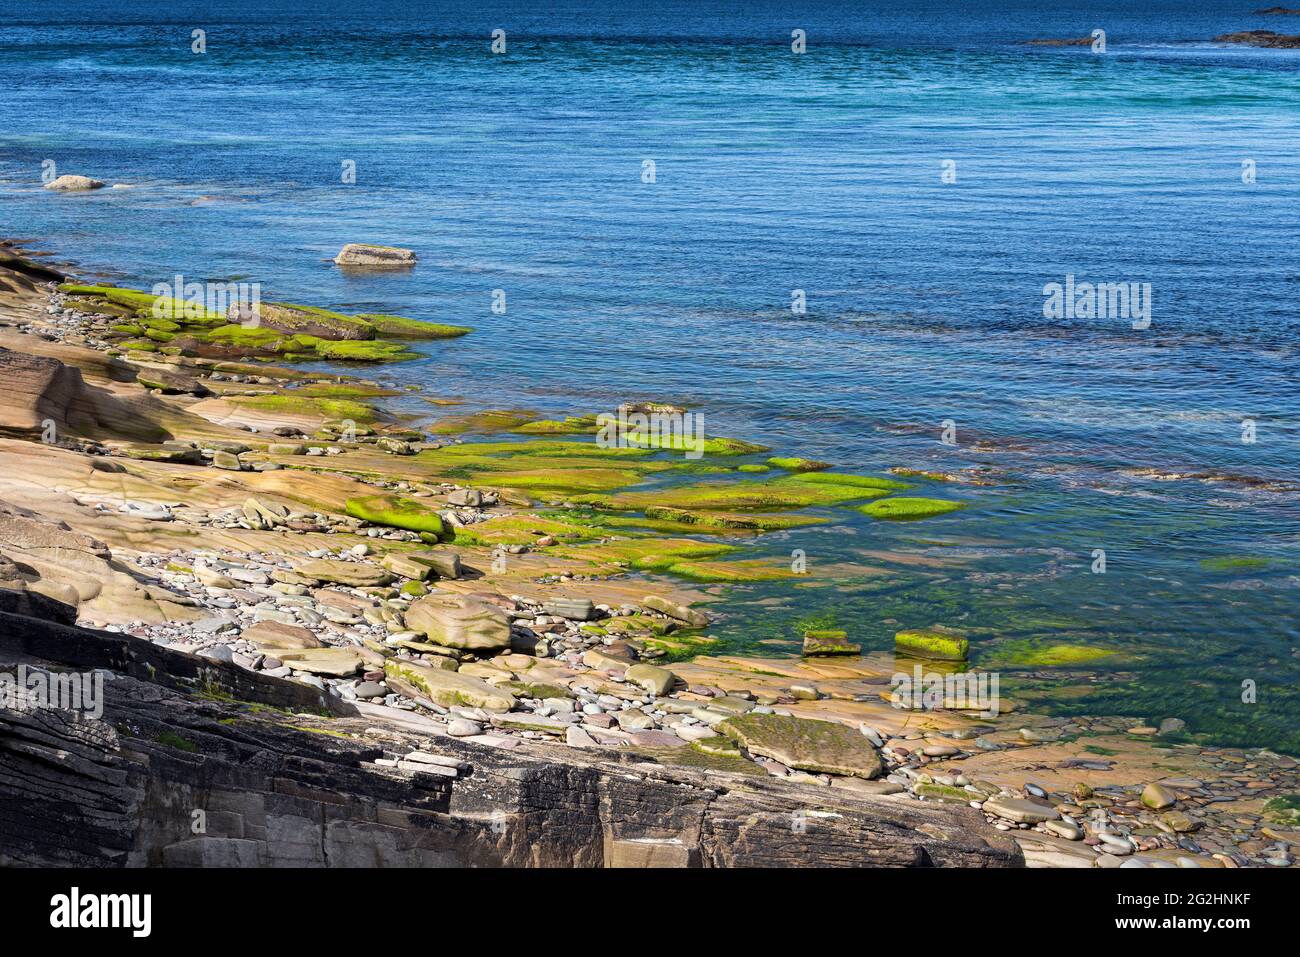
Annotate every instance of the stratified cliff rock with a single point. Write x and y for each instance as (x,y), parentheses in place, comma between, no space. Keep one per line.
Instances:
(196,762)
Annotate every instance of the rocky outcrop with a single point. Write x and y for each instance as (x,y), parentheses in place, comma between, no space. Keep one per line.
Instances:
(1261,38)
(73,183)
(178,770)
(40,390)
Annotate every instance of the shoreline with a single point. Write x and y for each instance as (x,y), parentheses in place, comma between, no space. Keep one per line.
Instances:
(299,550)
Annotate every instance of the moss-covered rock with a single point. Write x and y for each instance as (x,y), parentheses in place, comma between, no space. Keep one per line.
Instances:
(395,511)
(903,508)
(938,644)
(399,327)
(824,644)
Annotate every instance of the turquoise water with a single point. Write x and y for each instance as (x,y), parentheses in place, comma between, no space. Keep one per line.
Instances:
(777,172)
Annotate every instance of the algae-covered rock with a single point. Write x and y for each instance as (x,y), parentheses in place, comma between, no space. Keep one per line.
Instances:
(312,321)
(455,621)
(903,508)
(806,744)
(344,573)
(822,644)
(450,689)
(936,644)
(396,512)
(399,327)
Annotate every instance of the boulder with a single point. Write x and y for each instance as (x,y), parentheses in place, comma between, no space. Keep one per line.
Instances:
(456,621)
(822,746)
(443,564)
(395,511)
(171,383)
(658,681)
(696,619)
(71,183)
(344,573)
(1158,797)
(364,254)
(449,689)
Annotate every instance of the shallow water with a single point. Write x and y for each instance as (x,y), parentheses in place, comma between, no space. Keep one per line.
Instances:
(777,172)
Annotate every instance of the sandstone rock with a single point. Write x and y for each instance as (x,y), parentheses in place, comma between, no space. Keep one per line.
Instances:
(72,183)
(276,635)
(446,688)
(694,618)
(808,745)
(171,383)
(1021,811)
(406,566)
(456,621)
(444,564)
(465,497)
(656,680)
(577,609)
(364,254)
(224,460)
(331,662)
(344,573)
(39,390)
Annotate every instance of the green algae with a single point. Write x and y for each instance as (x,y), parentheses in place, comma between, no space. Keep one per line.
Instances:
(795,464)
(396,512)
(781,494)
(523,530)
(934,644)
(486,421)
(570,425)
(399,327)
(294,404)
(676,442)
(1230,563)
(903,508)
(1027,653)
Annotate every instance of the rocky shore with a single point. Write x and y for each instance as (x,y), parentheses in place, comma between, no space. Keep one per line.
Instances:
(488,595)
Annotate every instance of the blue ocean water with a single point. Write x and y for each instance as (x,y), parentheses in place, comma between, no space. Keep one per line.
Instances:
(775,172)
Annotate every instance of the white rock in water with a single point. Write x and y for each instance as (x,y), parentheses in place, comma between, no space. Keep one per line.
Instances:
(70,183)
(363,254)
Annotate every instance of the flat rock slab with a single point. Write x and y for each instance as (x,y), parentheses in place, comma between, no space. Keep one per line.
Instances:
(822,746)
(353,574)
(276,635)
(1021,811)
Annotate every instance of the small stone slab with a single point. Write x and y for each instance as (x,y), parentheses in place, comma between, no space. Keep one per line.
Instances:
(1021,811)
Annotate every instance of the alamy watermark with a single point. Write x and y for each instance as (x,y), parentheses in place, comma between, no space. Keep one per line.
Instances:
(931,691)
(237,301)
(33,689)
(675,430)
(1102,300)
